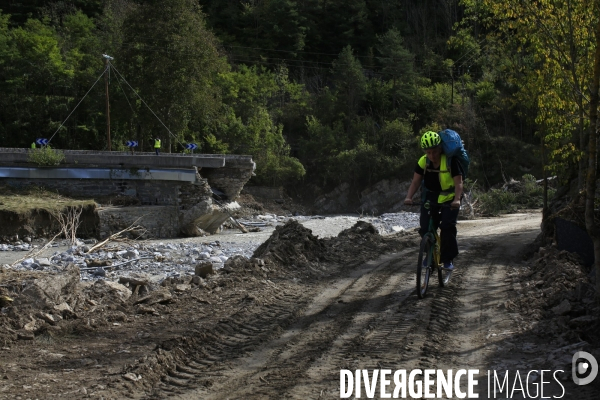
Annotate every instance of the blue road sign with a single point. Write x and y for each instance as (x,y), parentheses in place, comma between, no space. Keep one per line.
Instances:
(191,146)
(41,141)
(131,143)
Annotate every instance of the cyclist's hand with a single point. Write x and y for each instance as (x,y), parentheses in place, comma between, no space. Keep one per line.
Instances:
(408,202)
(455,204)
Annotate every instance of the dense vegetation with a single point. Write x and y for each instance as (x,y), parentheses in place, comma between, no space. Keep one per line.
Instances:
(327,91)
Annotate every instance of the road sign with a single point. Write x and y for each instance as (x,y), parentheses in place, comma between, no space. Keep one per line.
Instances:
(131,143)
(191,146)
(41,141)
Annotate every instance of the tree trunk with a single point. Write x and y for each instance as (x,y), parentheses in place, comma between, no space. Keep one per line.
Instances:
(590,224)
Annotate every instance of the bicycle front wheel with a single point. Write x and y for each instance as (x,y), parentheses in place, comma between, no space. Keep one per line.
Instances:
(443,276)
(424,266)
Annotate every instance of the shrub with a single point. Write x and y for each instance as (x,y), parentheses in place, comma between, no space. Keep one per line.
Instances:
(527,194)
(46,156)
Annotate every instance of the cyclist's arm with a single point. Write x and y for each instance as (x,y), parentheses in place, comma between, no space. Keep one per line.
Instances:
(414,186)
(458,190)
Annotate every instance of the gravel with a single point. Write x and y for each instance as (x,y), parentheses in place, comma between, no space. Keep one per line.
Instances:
(178,257)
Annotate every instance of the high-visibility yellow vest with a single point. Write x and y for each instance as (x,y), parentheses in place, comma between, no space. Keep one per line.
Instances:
(445,176)
(157,144)
(33,145)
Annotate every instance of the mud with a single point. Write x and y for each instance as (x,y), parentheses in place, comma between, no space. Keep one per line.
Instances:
(40,224)
(284,322)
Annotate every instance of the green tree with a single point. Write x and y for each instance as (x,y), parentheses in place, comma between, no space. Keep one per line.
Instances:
(397,63)
(349,84)
(33,79)
(170,59)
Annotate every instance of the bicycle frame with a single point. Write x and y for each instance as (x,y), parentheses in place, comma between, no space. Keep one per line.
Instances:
(430,258)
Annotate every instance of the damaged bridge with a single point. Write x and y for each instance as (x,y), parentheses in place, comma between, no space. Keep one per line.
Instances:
(169,195)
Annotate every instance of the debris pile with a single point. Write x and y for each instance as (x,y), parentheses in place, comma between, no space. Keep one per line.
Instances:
(557,293)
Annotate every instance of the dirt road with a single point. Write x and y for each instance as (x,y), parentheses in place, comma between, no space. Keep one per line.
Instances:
(255,338)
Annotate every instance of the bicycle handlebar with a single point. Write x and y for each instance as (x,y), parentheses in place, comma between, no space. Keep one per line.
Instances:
(443,205)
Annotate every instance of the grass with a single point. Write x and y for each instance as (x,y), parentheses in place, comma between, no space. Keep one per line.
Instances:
(30,199)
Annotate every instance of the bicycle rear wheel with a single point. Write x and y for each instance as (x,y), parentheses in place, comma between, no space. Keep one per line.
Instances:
(424,268)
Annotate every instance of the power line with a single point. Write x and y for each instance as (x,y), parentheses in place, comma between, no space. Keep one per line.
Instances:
(72,111)
(146,104)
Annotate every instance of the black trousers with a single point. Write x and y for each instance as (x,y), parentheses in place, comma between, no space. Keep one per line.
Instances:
(444,218)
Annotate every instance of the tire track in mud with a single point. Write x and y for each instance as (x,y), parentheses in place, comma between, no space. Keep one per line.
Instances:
(345,307)
(201,362)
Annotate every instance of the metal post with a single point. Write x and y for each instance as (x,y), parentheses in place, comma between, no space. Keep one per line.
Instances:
(106,71)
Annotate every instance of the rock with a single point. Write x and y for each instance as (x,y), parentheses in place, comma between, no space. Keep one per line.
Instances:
(335,201)
(159,296)
(33,325)
(115,288)
(143,309)
(49,318)
(204,255)
(130,254)
(135,279)
(43,262)
(182,287)
(25,335)
(99,272)
(27,262)
(63,307)
(50,290)
(132,377)
(563,308)
(204,269)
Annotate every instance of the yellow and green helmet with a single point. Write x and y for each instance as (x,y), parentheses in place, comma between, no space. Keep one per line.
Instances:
(430,139)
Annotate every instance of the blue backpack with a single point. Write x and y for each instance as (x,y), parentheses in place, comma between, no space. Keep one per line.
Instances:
(452,146)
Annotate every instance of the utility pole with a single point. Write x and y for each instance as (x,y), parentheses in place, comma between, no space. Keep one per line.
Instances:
(107,58)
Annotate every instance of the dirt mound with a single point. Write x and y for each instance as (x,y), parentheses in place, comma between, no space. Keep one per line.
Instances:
(557,294)
(292,246)
(359,229)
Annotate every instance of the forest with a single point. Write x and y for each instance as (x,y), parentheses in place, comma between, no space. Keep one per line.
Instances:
(319,92)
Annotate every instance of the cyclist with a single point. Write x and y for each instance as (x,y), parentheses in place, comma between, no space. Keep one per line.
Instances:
(442,184)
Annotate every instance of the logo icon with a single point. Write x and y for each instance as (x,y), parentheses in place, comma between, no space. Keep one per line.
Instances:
(584,368)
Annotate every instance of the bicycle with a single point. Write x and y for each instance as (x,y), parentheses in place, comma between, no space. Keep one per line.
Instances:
(430,252)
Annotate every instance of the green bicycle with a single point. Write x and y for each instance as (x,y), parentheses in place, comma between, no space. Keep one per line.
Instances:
(429,258)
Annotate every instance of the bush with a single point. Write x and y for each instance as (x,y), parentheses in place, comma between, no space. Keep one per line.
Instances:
(524,194)
(46,156)
(497,201)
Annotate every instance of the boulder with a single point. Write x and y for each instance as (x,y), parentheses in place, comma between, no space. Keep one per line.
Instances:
(51,289)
